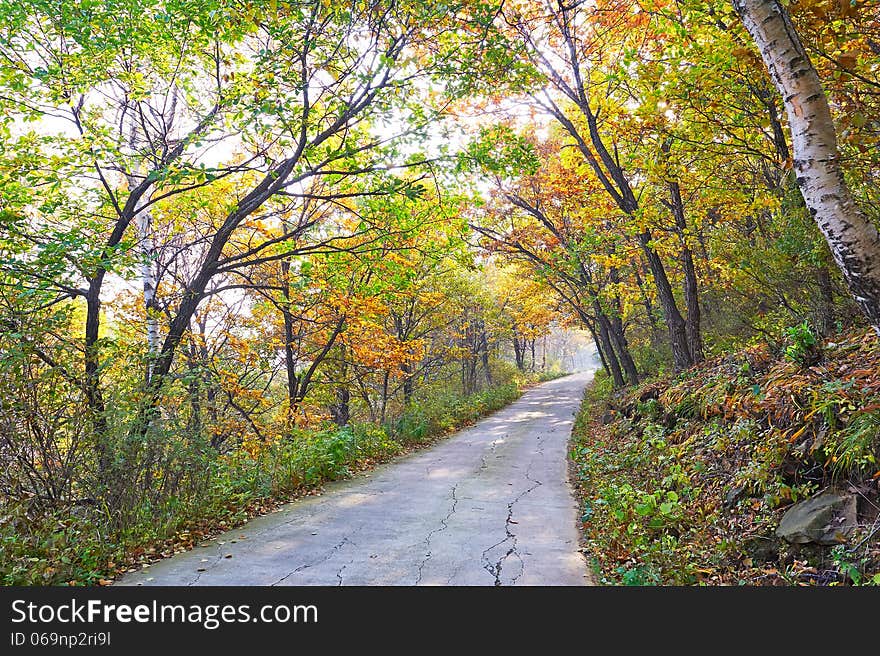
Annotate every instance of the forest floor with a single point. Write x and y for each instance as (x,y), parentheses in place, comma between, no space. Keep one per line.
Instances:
(685,480)
(491,505)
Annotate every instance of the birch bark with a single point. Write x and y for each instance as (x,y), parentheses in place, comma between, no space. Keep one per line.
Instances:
(852,238)
(143,221)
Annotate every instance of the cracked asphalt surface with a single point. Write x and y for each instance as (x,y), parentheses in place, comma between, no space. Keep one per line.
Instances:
(490,505)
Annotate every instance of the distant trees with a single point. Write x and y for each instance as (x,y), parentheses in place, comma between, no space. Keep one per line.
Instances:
(544,222)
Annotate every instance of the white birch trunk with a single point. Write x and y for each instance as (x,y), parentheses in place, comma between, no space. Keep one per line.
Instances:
(148,275)
(143,221)
(853,239)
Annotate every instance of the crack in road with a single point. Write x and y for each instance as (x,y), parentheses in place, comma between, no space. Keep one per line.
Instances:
(340,570)
(206,568)
(443,526)
(345,540)
(495,568)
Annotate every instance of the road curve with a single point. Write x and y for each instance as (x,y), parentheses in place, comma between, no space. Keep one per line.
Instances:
(490,505)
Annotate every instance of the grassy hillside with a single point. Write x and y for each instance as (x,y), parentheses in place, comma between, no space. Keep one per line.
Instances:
(685,480)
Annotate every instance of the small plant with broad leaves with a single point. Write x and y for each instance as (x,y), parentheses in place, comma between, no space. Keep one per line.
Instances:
(804,348)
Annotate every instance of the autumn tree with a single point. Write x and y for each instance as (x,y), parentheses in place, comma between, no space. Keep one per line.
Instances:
(541,216)
(852,237)
(569,46)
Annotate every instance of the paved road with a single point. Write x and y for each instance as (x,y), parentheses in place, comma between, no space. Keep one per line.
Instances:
(490,505)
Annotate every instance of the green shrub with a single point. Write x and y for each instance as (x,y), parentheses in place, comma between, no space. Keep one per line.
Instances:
(804,349)
(425,419)
(855,447)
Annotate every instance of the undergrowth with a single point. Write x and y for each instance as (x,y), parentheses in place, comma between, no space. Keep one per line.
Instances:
(683,481)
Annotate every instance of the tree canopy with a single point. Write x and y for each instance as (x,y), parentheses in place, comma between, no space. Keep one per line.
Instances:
(227,227)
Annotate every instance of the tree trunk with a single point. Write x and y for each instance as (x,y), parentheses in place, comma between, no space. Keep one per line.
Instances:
(290,367)
(92,356)
(148,276)
(207,380)
(605,341)
(195,394)
(406,373)
(692,301)
(143,221)
(293,392)
(622,348)
(618,335)
(853,239)
(646,301)
(470,351)
(484,354)
(92,382)
(383,407)
(592,330)
(691,295)
(341,409)
(519,351)
(681,354)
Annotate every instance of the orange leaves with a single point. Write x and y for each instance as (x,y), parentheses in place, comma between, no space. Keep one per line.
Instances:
(374,346)
(825,11)
(359,308)
(260,227)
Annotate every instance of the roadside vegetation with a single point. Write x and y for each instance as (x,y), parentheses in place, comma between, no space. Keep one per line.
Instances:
(684,479)
(220,491)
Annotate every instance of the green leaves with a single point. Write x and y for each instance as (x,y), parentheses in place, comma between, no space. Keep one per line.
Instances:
(501,151)
(804,348)
(657,503)
(414,191)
